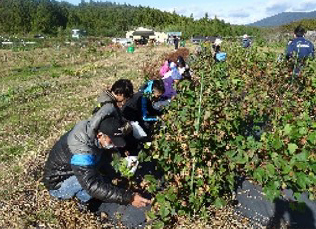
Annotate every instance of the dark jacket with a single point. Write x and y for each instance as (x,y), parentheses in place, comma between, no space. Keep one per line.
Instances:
(139,107)
(302,47)
(136,110)
(246,42)
(77,153)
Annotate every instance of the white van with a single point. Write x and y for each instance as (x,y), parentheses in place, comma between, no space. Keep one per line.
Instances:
(123,41)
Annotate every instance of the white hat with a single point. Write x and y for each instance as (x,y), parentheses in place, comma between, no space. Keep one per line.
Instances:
(245,36)
(218,41)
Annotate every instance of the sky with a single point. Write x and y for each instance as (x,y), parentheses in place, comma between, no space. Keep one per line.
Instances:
(232,11)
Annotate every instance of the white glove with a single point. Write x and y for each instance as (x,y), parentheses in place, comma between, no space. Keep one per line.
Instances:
(132,163)
(138,131)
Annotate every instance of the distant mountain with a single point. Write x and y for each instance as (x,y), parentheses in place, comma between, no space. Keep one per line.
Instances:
(284,18)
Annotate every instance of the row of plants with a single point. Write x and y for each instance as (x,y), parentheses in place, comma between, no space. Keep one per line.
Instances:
(247,117)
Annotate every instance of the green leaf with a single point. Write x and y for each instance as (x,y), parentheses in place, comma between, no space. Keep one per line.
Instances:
(287,129)
(270,169)
(241,157)
(200,182)
(297,195)
(164,212)
(303,157)
(303,131)
(301,165)
(171,196)
(181,213)
(158,225)
(219,202)
(152,188)
(312,138)
(235,81)
(150,178)
(160,198)
(302,180)
(286,169)
(258,174)
(292,148)
(271,191)
(277,144)
(151,215)
(178,158)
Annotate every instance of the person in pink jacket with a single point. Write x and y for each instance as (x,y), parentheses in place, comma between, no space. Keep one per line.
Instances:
(164,68)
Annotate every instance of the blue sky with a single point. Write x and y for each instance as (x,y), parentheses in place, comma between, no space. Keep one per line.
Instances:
(232,11)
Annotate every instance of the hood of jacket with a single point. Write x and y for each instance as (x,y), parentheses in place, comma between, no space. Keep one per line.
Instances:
(149,87)
(106,96)
(82,137)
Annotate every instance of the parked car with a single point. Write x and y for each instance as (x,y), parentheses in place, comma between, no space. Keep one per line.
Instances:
(199,39)
(39,36)
(123,41)
(78,33)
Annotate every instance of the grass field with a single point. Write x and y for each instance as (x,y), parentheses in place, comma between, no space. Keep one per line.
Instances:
(44,92)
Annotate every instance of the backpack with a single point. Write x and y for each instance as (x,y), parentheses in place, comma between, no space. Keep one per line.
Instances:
(221,56)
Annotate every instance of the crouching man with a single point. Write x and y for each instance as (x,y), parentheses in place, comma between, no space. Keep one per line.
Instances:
(72,167)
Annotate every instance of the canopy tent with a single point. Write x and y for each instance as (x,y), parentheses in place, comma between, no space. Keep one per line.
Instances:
(144,33)
(172,34)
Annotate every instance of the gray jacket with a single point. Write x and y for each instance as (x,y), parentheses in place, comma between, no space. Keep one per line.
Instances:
(77,153)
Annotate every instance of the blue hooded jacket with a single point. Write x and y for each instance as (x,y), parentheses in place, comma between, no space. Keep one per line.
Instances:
(302,47)
(148,90)
(246,43)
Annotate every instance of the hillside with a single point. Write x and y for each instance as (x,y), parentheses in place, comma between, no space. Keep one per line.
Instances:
(308,24)
(103,19)
(284,18)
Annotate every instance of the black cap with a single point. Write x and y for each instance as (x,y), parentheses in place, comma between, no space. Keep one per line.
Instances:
(114,128)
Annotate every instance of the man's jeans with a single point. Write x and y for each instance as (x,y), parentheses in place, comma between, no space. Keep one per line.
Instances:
(161,104)
(70,188)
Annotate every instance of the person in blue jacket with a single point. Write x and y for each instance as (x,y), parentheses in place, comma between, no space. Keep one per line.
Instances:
(299,49)
(246,42)
(151,93)
(300,46)
(140,106)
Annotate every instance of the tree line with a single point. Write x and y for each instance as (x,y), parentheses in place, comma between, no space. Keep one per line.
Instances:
(308,24)
(104,19)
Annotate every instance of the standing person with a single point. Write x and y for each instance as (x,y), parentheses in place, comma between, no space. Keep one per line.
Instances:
(217,45)
(299,49)
(246,42)
(176,42)
(72,167)
(216,48)
(217,54)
